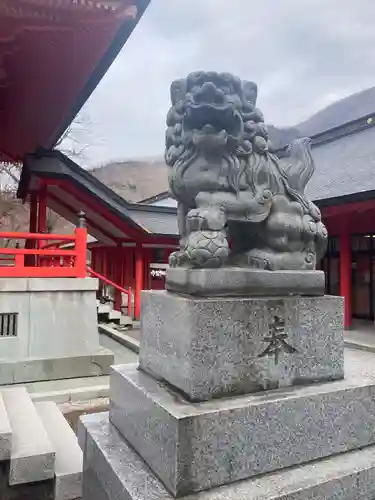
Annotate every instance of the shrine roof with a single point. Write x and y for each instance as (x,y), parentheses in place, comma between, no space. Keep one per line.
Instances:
(53,53)
(70,188)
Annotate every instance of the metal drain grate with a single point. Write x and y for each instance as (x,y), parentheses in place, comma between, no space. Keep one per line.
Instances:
(8,324)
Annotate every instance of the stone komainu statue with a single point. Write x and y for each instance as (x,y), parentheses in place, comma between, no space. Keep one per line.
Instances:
(238,203)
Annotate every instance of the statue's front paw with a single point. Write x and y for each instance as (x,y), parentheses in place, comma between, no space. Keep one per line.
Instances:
(195,220)
(176,259)
(199,219)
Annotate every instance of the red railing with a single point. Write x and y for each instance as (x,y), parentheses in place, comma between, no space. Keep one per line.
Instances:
(42,262)
(120,289)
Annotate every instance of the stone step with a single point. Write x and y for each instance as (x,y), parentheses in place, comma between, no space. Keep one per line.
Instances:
(33,455)
(120,337)
(114,315)
(126,321)
(106,314)
(69,459)
(5,432)
(104,308)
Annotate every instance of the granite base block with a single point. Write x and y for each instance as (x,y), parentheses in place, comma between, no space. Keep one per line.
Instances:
(192,447)
(92,488)
(121,473)
(232,281)
(226,346)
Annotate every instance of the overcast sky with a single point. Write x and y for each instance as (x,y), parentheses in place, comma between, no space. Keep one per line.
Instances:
(303,54)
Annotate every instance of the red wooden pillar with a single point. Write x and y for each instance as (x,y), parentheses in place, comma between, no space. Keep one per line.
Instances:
(99,267)
(33,224)
(105,262)
(42,220)
(138,280)
(33,227)
(81,249)
(42,210)
(167,252)
(346,276)
(93,259)
(147,258)
(118,277)
(125,267)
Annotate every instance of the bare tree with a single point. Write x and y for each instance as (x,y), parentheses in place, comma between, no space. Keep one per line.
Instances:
(74,141)
(14,215)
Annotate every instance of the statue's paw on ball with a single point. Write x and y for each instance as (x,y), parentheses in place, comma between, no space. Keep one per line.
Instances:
(195,220)
(207,249)
(176,259)
(207,219)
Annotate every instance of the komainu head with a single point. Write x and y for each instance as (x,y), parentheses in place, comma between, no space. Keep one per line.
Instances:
(212,110)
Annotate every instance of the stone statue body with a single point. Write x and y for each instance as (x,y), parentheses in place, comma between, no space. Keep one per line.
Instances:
(238,204)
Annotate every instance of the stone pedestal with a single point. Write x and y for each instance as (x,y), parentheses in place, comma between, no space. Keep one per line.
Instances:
(236,397)
(224,346)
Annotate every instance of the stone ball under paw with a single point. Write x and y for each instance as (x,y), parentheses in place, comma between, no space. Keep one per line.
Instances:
(207,249)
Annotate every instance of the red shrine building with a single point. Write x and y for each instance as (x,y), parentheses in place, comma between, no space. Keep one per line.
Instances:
(130,243)
(127,245)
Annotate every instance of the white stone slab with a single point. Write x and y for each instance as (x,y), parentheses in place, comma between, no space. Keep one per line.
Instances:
(56,318)
(69,326)
(16,347)
(33,455)
(5,432)
(69,459)
(55,368)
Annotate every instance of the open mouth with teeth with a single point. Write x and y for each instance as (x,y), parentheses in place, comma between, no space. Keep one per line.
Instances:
(211,119)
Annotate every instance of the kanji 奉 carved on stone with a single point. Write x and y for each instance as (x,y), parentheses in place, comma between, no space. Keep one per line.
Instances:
(238,203)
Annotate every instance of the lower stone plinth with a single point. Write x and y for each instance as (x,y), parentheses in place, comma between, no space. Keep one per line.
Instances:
(118,472)
(216,347)
(193,447)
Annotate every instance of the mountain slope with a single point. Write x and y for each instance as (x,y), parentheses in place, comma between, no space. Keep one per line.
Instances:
(134,180)
(280,136)
(345,110)
(139,179)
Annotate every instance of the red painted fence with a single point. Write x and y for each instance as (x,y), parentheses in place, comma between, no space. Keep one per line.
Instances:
(38,258)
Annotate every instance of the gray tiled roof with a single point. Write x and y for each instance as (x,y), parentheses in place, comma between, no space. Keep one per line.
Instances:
(344,166)
(156,222)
